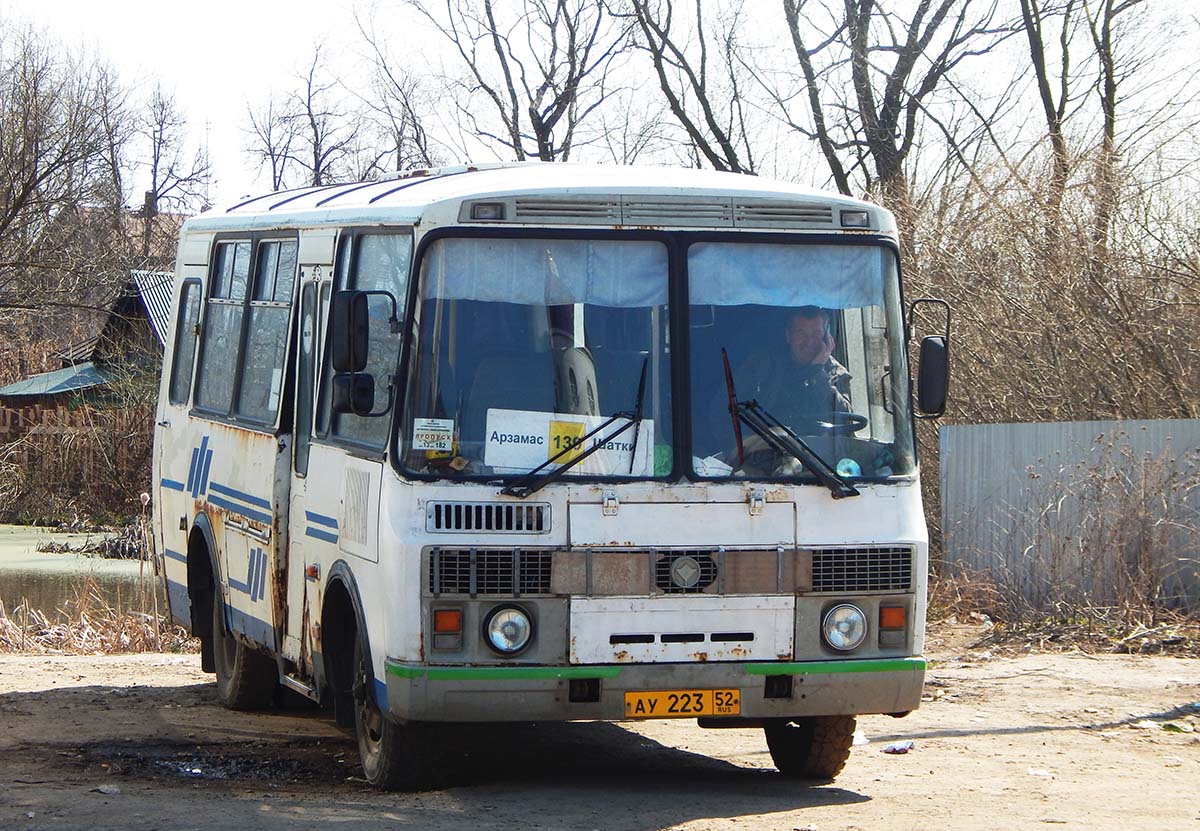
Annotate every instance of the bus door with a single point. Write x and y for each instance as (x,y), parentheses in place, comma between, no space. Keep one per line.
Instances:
(173,500)
(306,526)
(241,458)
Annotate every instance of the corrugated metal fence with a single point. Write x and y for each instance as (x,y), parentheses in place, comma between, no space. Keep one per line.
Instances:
(1099,512)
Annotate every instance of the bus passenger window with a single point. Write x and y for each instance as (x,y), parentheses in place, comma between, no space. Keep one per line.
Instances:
(266,335)
(221,342)
(185,343)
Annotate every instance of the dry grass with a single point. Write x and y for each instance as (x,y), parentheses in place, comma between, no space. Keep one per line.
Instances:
(90,625)
(1010,625)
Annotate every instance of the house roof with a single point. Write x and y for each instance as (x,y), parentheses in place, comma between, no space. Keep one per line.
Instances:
(71,379)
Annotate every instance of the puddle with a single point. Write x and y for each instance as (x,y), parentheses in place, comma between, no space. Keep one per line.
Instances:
(273,764)
(53,582)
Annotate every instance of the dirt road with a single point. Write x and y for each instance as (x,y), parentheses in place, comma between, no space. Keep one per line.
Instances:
(1046,740)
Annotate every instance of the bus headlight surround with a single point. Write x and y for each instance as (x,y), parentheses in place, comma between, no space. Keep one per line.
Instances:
(508,629)
(844,627)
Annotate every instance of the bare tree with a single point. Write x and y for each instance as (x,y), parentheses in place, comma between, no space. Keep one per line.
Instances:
(708,104)
(178,180)
(399,104)
(540,69)
(309,134)
(60,173)
(324,129)
(896,62)
(271,134)
(1054,94)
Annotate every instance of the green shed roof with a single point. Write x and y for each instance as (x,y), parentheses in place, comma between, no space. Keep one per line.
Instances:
(79,377)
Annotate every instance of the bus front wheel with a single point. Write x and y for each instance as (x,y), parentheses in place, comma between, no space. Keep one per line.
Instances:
(394,755)
(246,678)
(814,747)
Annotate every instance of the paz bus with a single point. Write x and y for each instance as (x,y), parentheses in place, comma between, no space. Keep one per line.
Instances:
(523,442)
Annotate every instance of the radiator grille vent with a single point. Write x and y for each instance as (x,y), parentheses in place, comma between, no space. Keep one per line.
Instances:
(564,210)
(489,571)
(685,578)
(675,212)
(861,569)
(488,517)
(781,213)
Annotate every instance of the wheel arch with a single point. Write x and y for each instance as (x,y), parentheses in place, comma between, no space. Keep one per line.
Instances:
(342,621)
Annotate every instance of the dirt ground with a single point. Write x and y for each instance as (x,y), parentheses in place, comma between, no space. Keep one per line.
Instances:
(1032,741)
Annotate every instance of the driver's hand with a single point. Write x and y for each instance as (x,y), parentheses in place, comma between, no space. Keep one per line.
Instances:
(826,350)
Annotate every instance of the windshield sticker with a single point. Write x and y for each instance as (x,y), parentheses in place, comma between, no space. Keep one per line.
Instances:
(435,434)
(517,441)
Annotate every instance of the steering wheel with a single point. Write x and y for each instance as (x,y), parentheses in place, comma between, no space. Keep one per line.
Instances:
(839,423)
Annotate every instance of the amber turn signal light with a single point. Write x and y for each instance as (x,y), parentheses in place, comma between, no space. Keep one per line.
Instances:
(447,620)
(892,617)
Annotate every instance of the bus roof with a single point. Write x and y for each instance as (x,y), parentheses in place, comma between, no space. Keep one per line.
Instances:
(409,196)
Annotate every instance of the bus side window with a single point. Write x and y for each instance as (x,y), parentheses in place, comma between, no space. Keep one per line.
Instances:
(378,262)
(270,311)
(185,342)
(221,340)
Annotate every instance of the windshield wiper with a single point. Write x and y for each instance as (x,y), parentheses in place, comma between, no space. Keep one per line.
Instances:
(535,480)
(781,438)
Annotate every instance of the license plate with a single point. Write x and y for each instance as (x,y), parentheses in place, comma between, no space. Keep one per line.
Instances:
(683,703)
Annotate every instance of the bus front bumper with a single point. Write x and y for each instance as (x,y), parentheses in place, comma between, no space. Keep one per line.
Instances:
(513,692)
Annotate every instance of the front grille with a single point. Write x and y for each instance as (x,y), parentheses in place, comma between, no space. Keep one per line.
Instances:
(703,577)
(489,517)
(862,569)
(488,571)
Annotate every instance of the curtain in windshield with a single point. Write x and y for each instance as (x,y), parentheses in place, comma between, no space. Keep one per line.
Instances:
(812,334)
(526,345)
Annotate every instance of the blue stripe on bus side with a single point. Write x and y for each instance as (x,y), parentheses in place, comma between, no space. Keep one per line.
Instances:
(172,484)
(179,602)
(249,513)
(317,533)
(238,585)
(253,628)
(242,495)
(321,519)
(262,574)
(175,555)
(191,482)
(207,463)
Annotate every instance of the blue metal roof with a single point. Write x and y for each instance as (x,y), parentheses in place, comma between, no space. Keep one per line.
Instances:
(71,379)
(155,288)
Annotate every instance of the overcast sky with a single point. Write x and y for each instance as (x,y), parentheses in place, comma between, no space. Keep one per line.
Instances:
(218,56)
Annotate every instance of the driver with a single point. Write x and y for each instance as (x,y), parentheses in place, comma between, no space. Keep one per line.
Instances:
(806,383)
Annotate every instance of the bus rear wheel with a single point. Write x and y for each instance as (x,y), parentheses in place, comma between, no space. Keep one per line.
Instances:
(814,747)
(394,755)
(246,678)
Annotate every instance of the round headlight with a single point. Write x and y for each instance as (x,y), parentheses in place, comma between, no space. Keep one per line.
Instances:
(508,629)
(844,627)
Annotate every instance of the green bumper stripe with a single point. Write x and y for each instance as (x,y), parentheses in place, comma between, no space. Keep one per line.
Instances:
(836,667)
(499,673)
(527,672)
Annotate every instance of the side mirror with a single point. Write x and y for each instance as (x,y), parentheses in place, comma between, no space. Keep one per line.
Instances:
(353,392)
(933,376)
(349,326)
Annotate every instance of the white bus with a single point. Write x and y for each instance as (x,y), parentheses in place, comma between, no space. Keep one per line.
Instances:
(522,442)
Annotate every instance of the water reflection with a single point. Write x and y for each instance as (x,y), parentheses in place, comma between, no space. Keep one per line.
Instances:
(57,583)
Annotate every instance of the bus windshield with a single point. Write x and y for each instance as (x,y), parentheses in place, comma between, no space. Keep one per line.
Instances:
(525,346)
(808,335)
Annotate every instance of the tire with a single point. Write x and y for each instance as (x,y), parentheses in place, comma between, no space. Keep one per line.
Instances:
(246,678)
(815,747)
(394,755)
